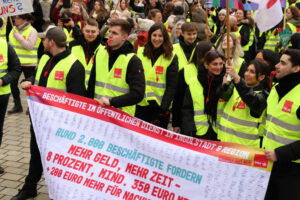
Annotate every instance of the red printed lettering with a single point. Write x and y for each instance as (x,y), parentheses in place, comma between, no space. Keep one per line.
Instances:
(111,176)
(80,152)
(161,179)
(91,183)
(71,163)
(105,160)
(163,194)
(136,170)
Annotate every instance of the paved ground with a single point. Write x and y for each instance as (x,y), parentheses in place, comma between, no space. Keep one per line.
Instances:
(14,154)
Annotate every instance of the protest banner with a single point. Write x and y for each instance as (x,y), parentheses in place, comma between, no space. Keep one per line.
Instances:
(15,7)
(93,152)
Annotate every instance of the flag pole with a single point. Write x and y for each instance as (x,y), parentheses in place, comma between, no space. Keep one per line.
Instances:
(206,11)
(12,24)
(227,30)
(284,19)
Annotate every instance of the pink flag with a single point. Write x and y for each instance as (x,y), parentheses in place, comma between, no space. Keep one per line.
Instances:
(269,14)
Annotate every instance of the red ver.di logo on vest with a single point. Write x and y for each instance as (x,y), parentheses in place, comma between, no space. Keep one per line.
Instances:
(159,70)
(1,58)
(241,105)
(287,107)
(118,73)
(59,75)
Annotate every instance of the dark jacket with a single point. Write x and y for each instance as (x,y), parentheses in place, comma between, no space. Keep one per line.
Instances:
(254,100)
(181,85)
(171,80)
(13,67)
(134,78)
(75,78)
(210,104)
(138,9)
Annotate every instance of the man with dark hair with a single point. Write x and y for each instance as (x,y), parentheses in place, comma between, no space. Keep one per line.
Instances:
(117,77)
(282,131)
(86,44)
(57,69)
(184,50)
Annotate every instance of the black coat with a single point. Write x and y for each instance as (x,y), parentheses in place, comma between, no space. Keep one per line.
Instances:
(134,78)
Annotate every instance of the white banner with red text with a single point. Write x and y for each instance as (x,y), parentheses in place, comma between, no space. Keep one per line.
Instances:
(97,153)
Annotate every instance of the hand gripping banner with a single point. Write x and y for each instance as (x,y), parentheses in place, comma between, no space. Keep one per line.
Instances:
(101,153)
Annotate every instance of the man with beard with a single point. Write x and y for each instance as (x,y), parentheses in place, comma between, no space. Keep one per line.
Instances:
(282,132)
(57,69)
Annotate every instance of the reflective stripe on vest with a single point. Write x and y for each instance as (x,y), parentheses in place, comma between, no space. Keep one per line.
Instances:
(282,124)
(112,83)
(3,65)
(221,102)
(272,41)
(80,54)
(251,38)
(58,75)
(182,60)
(237,125)
(155,76)
(25,56)
(200,118)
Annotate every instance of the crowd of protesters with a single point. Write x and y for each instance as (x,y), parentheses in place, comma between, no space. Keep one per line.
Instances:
(165,62)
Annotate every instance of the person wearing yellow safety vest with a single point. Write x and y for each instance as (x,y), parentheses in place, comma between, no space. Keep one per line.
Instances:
(282,131)
(199,111)
(272,39)
(67,24)
(187,43)
(239,123)
(293,19)
(182,82)
(23,38)
(3,23)
(247,32)
(117,76)
(10,70)
(219,26)
(58,69)
(236,54)
(161,68)
(86,44)
(293,3)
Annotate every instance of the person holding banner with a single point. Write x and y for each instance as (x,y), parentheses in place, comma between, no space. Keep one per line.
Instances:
(117,76)
(199,111)
(161,67)
(25,41)
(10,70)
(239,123)
(282,131)
(58,69)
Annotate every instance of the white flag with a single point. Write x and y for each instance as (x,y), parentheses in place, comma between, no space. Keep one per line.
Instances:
(269,14)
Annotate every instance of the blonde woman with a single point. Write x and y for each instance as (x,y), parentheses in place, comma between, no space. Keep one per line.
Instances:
(236,53)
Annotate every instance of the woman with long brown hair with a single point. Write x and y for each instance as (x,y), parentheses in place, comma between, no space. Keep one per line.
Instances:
(160,68)
(199,111)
